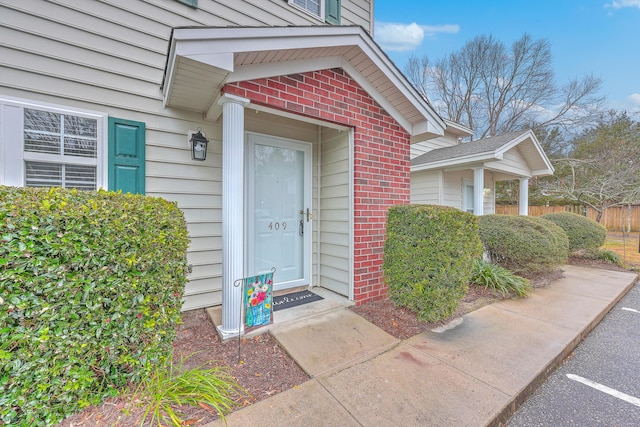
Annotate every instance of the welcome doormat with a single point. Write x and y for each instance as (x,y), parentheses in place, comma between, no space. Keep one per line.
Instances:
(294,299)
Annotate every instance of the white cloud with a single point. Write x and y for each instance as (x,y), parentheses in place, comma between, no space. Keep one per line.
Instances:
(634,98)
(619,4)
(398,37)
(433,30)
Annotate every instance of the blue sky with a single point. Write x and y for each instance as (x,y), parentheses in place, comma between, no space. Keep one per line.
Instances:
(586,36)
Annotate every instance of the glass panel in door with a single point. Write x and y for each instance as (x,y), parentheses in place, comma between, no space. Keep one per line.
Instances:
(278,199)
(467,189)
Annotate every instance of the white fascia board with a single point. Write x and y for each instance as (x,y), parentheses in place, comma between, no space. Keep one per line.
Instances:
(197,41)
(169,77)
(239,39)
(542,172)
(510,170)
(456,162)
(457,128)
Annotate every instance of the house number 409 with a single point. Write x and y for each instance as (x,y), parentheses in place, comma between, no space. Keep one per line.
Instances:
(277,225)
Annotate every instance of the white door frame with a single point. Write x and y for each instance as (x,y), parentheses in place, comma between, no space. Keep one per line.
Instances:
(251,140)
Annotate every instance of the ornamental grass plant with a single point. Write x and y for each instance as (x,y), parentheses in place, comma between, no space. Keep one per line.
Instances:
(170,386)
(499,279)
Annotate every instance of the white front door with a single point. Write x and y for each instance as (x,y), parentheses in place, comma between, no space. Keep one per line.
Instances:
(279,209)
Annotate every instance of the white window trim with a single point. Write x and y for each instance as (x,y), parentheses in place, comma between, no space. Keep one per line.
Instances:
(12,157)
(318,17)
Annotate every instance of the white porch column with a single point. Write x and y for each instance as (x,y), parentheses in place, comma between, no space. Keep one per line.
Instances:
(478,191)
(523,203)
(232,212)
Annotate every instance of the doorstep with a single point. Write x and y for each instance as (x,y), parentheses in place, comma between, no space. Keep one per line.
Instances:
(331,302)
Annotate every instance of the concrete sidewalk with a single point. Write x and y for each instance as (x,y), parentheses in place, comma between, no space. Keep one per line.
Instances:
(475,374)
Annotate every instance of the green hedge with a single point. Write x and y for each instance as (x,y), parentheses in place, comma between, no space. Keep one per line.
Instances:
(91,285)
(428,258)
(583,233)
(523,244)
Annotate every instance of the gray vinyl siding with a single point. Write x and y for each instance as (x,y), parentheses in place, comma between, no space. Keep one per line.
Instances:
(431,144)
(335,235)
(109,56)
(358,12)
(453,187)
(513,163)
(425,187)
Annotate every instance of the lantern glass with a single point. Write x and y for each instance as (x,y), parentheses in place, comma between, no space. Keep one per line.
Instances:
(199,146)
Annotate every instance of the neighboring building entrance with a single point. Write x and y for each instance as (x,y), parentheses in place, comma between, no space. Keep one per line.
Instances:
(279,209)
(467,195)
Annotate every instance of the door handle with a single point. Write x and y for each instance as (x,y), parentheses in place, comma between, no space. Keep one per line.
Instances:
(301,227)
(308,213)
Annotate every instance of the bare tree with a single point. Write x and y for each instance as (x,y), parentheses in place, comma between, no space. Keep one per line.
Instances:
(603,168)
(494,89)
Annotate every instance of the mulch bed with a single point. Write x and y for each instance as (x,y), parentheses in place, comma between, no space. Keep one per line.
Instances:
(264,368)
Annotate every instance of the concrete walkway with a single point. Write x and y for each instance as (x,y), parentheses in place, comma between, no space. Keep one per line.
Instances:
(475,374)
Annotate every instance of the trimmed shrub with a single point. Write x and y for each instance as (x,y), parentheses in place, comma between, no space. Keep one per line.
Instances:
(91,285)
(499,279)
(523,244)
(428,256)
(583,233)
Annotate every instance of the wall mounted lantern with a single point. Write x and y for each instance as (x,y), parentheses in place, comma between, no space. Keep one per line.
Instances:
(198,145)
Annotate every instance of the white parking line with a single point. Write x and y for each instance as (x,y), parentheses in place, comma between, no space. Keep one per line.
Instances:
(630,309)
(603,388)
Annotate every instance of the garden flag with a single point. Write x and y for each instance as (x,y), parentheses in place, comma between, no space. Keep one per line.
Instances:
(257,300)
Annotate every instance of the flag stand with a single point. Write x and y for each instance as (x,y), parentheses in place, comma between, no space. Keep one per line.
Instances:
(244,281)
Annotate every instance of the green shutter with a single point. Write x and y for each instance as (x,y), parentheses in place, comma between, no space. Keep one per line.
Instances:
(126,155)
(332,12)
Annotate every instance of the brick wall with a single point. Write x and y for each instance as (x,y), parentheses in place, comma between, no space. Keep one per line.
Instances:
(381,155)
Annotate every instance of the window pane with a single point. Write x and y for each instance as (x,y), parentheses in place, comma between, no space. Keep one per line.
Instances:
(80,126)
(40,174)
(80,177)
(80,147)
(312,6)
(42,121)
(41,131)
(41,143)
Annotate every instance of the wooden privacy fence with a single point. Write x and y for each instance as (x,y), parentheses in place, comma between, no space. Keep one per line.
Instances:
(616,218)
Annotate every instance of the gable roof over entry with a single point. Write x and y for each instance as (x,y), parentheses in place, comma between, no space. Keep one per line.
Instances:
(202,59)
(488,151)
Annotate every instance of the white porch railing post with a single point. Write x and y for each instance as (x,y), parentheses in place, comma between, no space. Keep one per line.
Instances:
(232,212)
(523,203)
(478,191)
